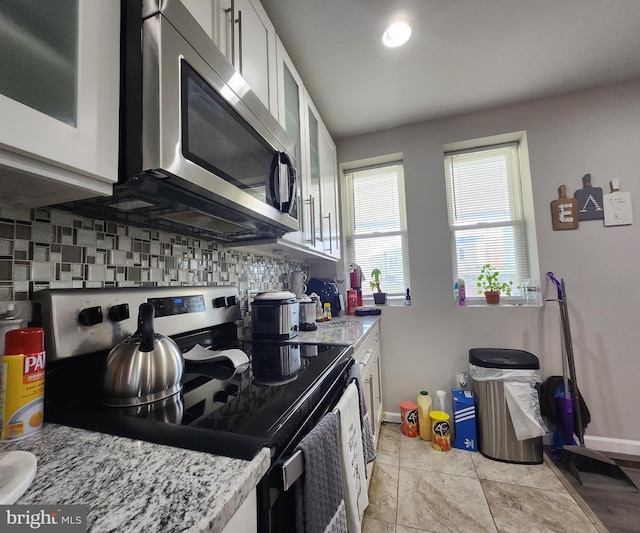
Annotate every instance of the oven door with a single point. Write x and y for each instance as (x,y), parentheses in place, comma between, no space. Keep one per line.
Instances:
(276,493)
(202,122)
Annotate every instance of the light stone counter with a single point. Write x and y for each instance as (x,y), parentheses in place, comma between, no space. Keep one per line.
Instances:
(345,329)
(131,485)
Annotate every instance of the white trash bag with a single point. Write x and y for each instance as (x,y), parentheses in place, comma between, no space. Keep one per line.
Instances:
(521,395)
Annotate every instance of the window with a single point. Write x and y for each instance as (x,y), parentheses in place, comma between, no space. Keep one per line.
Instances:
(375,225)
(487,221)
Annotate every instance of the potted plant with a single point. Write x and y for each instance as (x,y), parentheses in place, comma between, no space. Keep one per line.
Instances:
(379,297)
(491,286)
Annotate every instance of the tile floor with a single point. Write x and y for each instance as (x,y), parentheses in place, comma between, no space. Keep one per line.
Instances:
(415,488)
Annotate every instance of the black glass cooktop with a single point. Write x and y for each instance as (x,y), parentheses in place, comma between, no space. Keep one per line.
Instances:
(221,409)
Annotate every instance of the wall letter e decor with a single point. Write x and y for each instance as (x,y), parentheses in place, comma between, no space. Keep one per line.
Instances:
(564,211)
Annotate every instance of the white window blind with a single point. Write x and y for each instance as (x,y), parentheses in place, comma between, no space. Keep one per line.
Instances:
(486,215)
(375,226)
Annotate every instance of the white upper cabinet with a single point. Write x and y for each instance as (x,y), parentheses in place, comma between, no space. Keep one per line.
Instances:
(322,169)
(59,95)
(316,162)
(255,47)
(291,118)
(330,196)
(313,198)
(243,32)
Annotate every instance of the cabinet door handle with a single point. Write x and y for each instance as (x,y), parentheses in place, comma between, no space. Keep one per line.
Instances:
(232,11)
(379,380)
(312,201)
(372,415)
(366,360)
(239,21)
(312,220)
(330,234)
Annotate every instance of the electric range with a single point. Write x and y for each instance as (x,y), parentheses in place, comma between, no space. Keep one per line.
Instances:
(228,406)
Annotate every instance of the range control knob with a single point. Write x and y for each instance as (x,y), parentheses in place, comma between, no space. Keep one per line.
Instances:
(220,302)
(90,316)
(118,313)
(231,301)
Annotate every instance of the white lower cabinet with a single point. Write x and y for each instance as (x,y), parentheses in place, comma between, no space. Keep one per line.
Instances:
(368,356)
(245,519)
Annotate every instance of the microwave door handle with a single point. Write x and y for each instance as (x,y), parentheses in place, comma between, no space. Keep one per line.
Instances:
(274,182)
(288,206)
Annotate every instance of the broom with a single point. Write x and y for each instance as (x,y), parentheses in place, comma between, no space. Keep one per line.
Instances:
(590,467)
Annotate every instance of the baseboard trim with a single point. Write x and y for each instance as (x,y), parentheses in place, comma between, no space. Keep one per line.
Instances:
(393,418)
(608,444)
(601,444)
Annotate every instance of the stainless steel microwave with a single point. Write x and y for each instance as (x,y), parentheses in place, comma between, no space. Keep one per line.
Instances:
(199,152)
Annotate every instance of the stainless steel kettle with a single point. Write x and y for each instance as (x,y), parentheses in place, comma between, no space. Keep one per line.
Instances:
(144,367)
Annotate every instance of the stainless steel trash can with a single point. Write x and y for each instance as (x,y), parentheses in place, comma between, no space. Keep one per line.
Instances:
(496,436)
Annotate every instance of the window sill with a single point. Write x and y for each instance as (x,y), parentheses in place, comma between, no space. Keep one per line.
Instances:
(501,304)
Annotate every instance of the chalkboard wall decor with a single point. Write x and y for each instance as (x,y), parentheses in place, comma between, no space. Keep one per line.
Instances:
(617,206)
(564,211)
(589,200)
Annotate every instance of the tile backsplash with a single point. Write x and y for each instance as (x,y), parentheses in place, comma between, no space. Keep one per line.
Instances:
(50,248)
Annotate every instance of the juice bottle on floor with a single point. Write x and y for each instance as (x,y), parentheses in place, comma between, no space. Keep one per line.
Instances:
(442,402)
(424,408)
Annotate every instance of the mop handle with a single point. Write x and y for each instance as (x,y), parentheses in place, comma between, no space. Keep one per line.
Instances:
(556,283)
(565,379)
(572,369)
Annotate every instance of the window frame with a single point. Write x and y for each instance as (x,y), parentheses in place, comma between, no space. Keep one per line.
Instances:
(348,214)
(526,263)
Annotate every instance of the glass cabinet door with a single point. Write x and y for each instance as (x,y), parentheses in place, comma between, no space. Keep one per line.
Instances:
(59,90)
(293,127)
(39,60)
(315,187)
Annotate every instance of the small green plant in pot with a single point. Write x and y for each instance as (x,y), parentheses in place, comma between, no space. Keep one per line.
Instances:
(490,285)
(379,297)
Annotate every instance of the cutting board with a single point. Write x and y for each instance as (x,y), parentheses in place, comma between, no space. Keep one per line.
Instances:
(564,211)
(17,470)
(617,206)
(589,200)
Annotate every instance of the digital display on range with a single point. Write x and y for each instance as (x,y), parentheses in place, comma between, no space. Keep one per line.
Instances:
(178,305)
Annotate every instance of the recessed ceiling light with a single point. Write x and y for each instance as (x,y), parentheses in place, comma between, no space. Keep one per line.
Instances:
(396,33)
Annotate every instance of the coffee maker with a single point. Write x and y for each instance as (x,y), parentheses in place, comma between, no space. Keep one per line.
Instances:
(328,292)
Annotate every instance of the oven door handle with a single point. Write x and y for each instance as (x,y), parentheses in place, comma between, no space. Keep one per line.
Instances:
(292,469)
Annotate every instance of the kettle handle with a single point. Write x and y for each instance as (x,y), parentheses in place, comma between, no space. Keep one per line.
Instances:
(146,313)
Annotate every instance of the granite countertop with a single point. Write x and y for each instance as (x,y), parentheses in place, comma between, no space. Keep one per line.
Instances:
(344,329)
(135,485)
(132,485)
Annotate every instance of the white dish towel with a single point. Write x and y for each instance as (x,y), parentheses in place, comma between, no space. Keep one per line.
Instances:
(354,481)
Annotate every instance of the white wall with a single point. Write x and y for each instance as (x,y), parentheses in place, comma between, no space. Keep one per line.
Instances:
(595,131)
